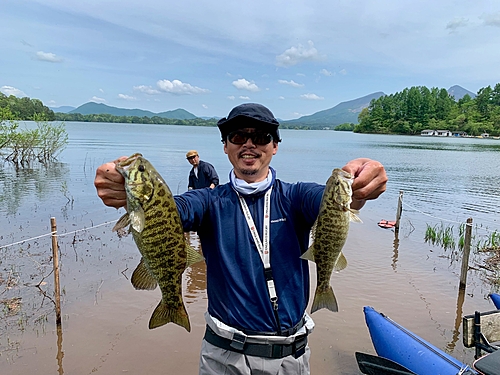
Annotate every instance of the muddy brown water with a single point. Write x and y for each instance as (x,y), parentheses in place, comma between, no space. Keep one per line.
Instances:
(105,321)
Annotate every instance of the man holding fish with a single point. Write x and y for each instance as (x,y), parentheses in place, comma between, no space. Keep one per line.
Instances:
(255,232)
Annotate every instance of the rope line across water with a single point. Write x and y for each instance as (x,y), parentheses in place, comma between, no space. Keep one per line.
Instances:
(59,235)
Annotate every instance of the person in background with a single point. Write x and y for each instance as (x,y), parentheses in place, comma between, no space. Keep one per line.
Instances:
(202,174)
(253,231)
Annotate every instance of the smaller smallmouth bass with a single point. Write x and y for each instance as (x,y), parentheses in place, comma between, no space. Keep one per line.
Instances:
(157,230)
(329,234)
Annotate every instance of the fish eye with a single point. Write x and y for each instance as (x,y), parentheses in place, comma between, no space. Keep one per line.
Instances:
(141,168)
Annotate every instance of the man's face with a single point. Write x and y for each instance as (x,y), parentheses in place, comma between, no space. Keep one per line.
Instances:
(250,161)
(194,160)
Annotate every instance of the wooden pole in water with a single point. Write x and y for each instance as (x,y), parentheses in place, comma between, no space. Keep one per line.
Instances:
(465,258)
(399,211)
(55,258)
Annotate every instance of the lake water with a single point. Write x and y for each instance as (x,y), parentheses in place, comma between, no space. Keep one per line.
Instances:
(443,180)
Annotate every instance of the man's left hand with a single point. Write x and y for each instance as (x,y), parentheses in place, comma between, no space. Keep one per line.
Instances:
(370,180)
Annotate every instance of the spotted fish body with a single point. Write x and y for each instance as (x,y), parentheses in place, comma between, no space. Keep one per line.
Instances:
(329,235)
(157,230)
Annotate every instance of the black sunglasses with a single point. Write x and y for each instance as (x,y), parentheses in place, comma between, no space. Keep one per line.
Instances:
(191,157)
(258,138)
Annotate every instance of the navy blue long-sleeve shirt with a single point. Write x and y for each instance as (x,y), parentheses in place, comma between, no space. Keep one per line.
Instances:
(206,176)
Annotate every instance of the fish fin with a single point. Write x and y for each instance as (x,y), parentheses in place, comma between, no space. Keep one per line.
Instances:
(122,222)
(142,278)
(325,299)
(353,216)
(163,315)
(309,254)
(313,230)
(137,219)
(341,262)
(192,256)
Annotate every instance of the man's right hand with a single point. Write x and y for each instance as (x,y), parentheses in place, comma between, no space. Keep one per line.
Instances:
(110,185)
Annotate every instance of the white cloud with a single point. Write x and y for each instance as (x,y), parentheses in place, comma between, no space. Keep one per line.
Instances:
(290,83)
(204,106)
(343,72)
(9,90)
(48,56)
(244,97)
(295,55)
(325,72)
(311,97)
(281,97)
(457,23)
(491,19)
(231,97)
(101,90)
(97,99)
(177,87)
(243,84)
(146,90)
(126,97)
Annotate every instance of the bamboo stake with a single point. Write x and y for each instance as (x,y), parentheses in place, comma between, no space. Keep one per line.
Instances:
(399,211)
(55,258)
(465,258)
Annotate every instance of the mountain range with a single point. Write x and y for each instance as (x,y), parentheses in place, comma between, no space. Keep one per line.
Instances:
(344,112)
(92,108)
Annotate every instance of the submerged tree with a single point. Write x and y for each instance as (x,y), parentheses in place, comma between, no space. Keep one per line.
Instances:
(23,146)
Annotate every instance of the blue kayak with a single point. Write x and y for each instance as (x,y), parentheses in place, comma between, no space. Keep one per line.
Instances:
(396,343)
(496,300)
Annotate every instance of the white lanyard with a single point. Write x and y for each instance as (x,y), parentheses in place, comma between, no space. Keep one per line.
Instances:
(262,246)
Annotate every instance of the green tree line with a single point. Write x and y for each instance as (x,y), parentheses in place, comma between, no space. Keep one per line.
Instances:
(24,109)
(103,117)
(419,108)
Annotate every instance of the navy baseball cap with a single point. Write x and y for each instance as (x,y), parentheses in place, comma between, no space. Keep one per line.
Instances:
(249,115)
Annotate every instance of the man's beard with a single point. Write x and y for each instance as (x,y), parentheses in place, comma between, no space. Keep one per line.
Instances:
(248,172)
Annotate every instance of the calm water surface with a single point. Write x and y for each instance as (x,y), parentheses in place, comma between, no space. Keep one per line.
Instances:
(105,319)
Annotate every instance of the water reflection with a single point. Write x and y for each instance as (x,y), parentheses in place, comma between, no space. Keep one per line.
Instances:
(396,250)
(60,353)
(32,184)
(458,320)
(196,274)
(441,146)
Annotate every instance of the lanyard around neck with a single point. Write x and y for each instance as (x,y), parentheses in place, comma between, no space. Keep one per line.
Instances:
(262,246)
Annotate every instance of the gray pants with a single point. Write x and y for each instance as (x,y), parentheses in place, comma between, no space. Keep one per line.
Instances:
(218,361)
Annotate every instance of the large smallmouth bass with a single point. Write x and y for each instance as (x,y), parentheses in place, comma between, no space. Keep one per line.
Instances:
(329,234)
(157,230)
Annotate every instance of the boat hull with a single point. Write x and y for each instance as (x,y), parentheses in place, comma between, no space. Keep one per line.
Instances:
(394,342)
(496,300)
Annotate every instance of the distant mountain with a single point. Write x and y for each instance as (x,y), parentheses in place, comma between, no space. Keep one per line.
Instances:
(341,113)
(92,108)
(62,109)
(458,92)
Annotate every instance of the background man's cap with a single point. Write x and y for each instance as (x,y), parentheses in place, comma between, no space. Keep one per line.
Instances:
(249,115)
(191,153)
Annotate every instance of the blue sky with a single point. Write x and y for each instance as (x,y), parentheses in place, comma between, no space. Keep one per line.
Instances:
(296,57)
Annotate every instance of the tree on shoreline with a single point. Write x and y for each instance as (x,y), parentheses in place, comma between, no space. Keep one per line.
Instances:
(418,108)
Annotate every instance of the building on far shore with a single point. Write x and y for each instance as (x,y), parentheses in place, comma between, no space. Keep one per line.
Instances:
(435,133)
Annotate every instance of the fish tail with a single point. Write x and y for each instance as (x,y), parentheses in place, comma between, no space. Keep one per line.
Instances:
(325,299)
(164,314)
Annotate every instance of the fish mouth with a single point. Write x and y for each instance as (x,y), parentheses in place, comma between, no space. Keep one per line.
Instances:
(123,166)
